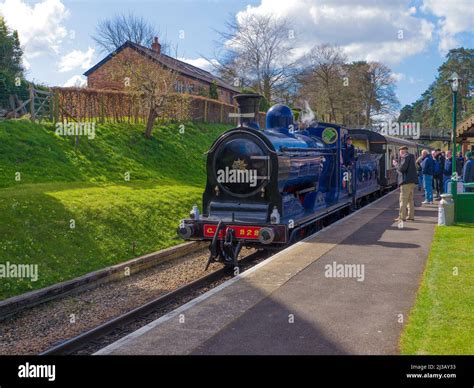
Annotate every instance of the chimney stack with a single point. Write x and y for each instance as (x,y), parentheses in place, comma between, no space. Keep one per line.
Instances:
(248,104)
(156,46)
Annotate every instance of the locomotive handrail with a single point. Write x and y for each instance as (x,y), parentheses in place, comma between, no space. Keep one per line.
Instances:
(230,132)
(296,149)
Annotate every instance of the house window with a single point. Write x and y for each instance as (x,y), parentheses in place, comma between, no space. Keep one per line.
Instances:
(179,86)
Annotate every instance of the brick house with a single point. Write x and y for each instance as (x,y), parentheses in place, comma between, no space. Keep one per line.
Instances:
(191,79)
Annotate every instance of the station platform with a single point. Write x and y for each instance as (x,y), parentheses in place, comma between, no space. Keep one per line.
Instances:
(297,302)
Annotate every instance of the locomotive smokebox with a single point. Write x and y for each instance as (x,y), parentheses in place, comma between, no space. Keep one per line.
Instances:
(248,109)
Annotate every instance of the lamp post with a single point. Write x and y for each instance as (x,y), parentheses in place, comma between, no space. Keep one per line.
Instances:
(454,82)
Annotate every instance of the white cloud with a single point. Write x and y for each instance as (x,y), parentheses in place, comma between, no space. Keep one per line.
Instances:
(456,16)
(26,64)
(76,59)
(78,81)
(399,77)
(40,26)
(413,80)
(385,31)
(202,63)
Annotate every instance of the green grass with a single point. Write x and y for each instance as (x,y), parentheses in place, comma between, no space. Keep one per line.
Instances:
(115,219)
(40,156)
(442,320)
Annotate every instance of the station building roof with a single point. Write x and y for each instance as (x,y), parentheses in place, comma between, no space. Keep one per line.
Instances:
(466,128)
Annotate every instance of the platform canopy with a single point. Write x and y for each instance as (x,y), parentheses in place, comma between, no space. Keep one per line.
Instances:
(466,128)
(465,134)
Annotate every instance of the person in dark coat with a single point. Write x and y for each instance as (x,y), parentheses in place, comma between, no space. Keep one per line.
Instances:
(427,168)
(448,170)
(437,173)
(468,170)
(459,164)
(348,152)
(407,179)
(348,156)
(418,170)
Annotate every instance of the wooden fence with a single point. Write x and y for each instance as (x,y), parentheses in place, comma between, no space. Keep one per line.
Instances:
(38,104)
(83,104)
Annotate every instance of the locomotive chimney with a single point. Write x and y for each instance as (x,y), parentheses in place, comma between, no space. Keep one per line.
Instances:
(248,109)
(156,46)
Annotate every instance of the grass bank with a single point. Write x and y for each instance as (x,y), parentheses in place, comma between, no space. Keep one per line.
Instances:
(74,210)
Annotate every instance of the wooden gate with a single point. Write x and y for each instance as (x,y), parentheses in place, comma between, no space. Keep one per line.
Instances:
(41,104)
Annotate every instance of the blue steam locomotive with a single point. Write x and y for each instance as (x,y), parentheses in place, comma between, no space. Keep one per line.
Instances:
(268,188)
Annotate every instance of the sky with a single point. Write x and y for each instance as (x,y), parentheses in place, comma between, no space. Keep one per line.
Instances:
(412,37)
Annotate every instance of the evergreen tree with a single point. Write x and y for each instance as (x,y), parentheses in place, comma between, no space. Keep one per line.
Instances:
(17,54)
(213,91)
(11,69)
(434,108)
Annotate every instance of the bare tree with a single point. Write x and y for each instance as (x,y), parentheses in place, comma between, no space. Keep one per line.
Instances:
(377,90)
(322,79)
(256,51)
(147,81)
(353,93)
(111,33)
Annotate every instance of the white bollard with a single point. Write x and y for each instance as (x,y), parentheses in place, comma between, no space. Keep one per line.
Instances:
(446,210)
(441,215)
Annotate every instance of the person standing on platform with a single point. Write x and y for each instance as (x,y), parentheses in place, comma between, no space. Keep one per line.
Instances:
(437,174)
(427,168)
(447,171)
(407,179)
(459,164)
(468,170)
(440,158)
(418,170)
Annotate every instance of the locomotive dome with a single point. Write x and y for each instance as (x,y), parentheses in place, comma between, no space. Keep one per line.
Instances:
(279,117)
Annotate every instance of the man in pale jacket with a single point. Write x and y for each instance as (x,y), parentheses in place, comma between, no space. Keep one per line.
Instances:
(407,179)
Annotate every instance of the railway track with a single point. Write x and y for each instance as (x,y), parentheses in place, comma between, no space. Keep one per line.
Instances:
(90,280)
(91,338)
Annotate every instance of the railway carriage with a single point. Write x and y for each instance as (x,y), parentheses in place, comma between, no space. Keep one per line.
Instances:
(387,147)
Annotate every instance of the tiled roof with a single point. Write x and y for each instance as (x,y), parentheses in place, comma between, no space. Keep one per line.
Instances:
(466,126)
(170,62)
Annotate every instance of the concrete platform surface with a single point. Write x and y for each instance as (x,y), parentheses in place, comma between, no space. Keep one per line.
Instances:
(346,290)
